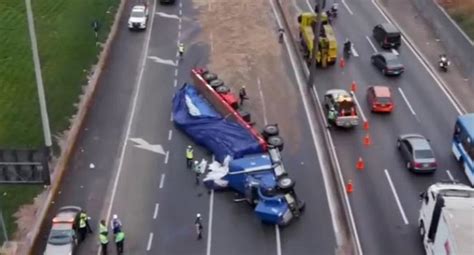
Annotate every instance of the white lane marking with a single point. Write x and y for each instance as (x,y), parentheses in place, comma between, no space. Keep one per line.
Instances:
(395,52)
(371,44)
(353,50)
(405,220)
(131,118)
(311,8)
(278,240)
(331,196)
(406,101)
(450,175)
(166,15)
(359,108)
(180,12)
(180,4)
(150,241)
(209,224)
(347,7)
(175,83)
(162,61)
(449,94)
(162,180)
(167,157)
(211,40)
(170,134)
(155,213)
(264,109)
(179,26)
(176,73)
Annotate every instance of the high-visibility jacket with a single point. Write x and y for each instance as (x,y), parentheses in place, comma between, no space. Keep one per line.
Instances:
(82,220)
(103,239)
(120,236)
(189,153)
(181,48)
(103,229)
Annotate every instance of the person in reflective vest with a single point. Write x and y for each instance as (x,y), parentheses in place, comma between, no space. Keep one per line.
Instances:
(189,156)
(103,237)
(119,240)
(84,226)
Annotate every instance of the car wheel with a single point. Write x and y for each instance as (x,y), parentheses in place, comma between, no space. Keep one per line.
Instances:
(270,130)
(208,77)
(286,183)
(216,83)
(275,142)
(223,89)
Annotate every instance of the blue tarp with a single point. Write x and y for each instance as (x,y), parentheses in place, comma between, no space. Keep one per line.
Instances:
(198,119)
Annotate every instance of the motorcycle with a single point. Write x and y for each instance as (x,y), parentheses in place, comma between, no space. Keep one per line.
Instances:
(443,63)
(347,49)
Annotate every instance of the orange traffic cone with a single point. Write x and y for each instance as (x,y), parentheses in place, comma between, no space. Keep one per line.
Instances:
(342,63)
(366,125)
(353,86)
(367,140)
(349,187)
(360,165)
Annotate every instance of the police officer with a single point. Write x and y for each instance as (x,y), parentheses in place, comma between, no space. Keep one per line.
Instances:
(197,171)
(119,240)
(332,115)
(198,224)
(189,156)
(242,94)
(103,237)
(116,224)
(181,49)
(83,226)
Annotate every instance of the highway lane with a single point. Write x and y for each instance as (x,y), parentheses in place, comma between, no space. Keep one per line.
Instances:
(373,197)
(99,141)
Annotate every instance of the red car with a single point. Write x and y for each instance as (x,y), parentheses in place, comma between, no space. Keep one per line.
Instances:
(379,99)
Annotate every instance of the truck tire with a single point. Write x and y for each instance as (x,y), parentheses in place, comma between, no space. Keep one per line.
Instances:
(245,115)
(270,130)
(216,83)
(223,89)
(286,184)
(276,142)
(208,76)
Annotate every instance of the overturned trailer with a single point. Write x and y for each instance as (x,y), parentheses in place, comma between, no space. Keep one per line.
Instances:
(247,161)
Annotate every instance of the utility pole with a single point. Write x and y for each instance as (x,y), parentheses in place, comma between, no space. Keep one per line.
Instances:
(317,31)
(39,78)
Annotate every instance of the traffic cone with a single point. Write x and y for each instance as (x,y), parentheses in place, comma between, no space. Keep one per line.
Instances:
(342,63)
(360,164)
(366,125)
(353,86)
(349,187)
(367,140)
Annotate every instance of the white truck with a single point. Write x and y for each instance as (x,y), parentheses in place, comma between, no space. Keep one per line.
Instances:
(138,17)
(446,221)
(340,108)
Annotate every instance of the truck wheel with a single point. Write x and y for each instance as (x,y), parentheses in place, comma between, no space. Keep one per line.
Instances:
(208,77)
(216,83)
(286,183)
(223,89)
(270,130)
(276,142)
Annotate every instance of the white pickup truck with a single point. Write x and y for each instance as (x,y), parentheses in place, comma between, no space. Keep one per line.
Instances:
(138,17)
(341,108)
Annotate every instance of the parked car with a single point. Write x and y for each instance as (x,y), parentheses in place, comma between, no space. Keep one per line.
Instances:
(387,36)
(379,99)
(416,151)
(64,231)
(138,17)
(388,63)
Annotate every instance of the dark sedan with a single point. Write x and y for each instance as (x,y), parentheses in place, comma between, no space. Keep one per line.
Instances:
(416,151)
(388,63)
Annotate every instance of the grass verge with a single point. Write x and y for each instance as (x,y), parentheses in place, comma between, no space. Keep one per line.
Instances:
(68,48)
(462,11)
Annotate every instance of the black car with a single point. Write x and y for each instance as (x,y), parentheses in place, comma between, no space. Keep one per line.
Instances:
(416,151)
(387,36)
(388,63)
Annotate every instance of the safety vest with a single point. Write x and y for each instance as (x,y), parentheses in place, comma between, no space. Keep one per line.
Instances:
(102,228)
(181,48)
(189,153)
(103,238)
(82,220)
(120,236)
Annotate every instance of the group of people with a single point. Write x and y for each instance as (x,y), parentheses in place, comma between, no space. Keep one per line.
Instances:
(116,226)
(198,171)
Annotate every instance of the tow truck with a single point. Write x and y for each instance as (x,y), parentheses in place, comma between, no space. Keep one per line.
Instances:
(327,51)
(247,161)
(341,109)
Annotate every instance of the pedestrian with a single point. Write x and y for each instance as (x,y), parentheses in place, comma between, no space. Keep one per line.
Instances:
(198,224)
(242,94)
(83,226)
(189,156)
(115,224)
(103,237)
(197,171)
(119,240)
(95,26)
(180,50)
(281,33)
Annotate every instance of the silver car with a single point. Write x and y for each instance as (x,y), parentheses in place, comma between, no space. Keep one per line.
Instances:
(62,239)
(417,152)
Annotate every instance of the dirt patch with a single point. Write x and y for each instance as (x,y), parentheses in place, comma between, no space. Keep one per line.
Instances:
(242,35)
(462,11)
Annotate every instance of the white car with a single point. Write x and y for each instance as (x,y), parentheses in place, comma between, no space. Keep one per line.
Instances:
(138,18)
(63,236)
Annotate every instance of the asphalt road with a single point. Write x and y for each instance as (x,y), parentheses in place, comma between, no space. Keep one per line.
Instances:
(385,198)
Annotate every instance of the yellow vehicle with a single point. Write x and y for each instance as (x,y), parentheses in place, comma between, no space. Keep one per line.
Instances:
(327,53)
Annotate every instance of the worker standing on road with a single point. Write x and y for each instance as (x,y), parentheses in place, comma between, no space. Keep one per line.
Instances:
(197,171)
(84,226)
(103,237)
(198,224)
(119,240)
(243,95)
(189,156)
(180,50)
(116,224)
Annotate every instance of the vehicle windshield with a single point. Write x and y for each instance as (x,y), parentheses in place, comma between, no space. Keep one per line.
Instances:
(137,14)
(423,154)
(384,100)
(393,37)
(60,237)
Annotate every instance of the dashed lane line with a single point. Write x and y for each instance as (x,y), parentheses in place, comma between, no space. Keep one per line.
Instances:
(162,180)
(155,213)
(399,204)
(150,241)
